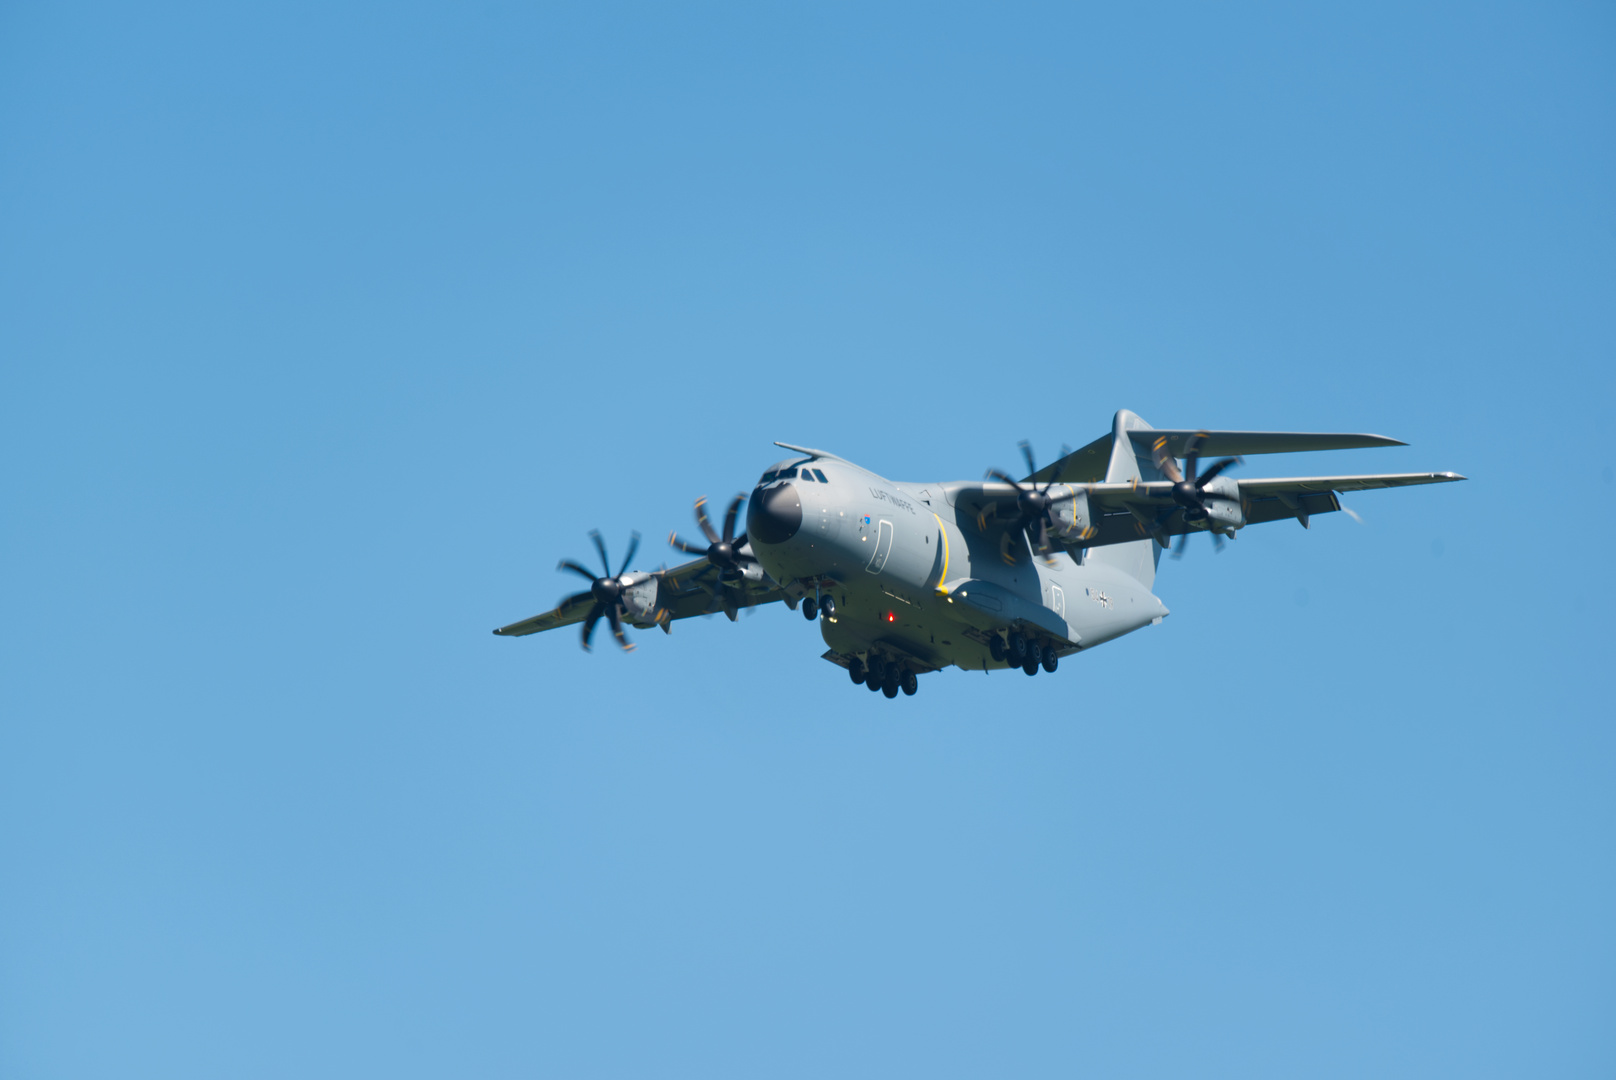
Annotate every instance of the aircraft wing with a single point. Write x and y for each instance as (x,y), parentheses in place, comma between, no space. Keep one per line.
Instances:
(1121,512)
(695,589)
(1124,512)
(1298,485)
(572,610)
(690,589)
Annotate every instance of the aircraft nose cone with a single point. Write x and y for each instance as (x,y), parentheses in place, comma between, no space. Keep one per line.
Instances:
(773,516)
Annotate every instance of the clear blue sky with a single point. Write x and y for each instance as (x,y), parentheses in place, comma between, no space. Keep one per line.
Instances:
(326,330)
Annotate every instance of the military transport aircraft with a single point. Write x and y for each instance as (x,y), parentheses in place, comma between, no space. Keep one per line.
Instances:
(907,579)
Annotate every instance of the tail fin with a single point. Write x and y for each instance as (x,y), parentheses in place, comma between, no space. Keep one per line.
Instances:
(1137,558)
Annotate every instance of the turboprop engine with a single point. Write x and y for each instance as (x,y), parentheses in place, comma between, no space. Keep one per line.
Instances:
(1069,520)
(1220,500)
(639,596)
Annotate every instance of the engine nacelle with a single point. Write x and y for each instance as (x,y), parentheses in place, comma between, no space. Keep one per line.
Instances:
(1070,521)
(1223,507)
(640,596)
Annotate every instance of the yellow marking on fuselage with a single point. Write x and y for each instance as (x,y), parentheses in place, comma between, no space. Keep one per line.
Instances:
(941,581)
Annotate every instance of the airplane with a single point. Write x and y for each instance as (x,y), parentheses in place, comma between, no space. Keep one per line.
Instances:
(906,579)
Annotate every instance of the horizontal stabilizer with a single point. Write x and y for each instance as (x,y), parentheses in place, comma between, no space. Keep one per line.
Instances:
(1241,443)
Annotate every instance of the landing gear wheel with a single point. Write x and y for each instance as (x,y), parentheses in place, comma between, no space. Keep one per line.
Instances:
(1050,659)
(1017,650)
(1030,665)
(827,608)
(996,647)
(890,687)
(908,683)
(810,609)
(872,680)
(856,670)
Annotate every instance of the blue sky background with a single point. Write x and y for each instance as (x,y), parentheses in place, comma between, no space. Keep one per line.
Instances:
(328,329)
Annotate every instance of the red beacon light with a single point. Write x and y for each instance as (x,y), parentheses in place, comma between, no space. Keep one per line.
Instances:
(891,617)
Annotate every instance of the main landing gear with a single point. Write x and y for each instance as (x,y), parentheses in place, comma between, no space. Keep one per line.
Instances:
(884,675)
(1026,653)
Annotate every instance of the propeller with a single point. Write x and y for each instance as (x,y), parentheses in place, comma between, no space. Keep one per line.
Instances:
(1032,502)
(606,592)
(1189,490)
(723,550)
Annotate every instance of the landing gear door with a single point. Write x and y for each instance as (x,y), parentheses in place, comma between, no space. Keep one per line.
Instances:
(883,547)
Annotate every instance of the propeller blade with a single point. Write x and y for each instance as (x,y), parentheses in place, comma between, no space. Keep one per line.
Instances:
(568,564)
(1192,455)
(589,623)
(1183,542)
(701,519)
(1026,452)
(730,516)
(617,628)
(1005,478)
(1065,450)
(1163,460)
(1217,467)
(684,545)
(1217,543)
(633,546)
(600,546)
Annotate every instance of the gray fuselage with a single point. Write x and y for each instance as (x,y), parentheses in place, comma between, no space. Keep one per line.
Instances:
(913,579)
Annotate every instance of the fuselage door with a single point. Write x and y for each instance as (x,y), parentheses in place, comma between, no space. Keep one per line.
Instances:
(883,547)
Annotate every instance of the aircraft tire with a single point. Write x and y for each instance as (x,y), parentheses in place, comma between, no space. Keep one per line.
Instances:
(810,609)
(890,688)
(996,647)
(1030,665)
(1050,659)
(908,683)
(856,670)
(872,680)
(1017,651)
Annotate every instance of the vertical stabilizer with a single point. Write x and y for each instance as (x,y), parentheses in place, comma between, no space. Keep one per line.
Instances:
(1137,558)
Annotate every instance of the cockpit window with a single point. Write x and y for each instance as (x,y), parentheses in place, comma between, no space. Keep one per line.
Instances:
(786,474)
(766,478)
(821,476)
(808,475)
